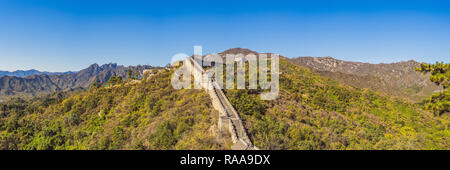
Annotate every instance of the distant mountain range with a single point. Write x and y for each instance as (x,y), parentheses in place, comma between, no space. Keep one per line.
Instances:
(42,83)
(396,79)
(25,73)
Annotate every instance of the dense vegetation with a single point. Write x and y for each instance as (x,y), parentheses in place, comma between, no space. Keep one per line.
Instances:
(316,113)
(145,115)
(440,74)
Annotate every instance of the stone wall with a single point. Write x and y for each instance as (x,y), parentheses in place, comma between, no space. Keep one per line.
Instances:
(228,117)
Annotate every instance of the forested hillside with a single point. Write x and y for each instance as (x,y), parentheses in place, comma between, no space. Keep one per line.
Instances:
(143,115)
(313,112)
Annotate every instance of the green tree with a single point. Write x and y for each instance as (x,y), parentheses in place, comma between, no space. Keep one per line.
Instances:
(440,74)
(129,73)
(95,85)
(137,73)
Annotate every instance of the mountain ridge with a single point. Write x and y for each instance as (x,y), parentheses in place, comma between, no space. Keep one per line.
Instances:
(25,73)
(398,78)
(39,84)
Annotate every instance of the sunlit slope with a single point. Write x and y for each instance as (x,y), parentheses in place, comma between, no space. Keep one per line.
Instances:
(143,115)
(313,112)
(396,79)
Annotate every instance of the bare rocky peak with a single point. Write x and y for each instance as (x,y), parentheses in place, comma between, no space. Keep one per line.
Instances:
(109,66)
(238,50)
(42,83)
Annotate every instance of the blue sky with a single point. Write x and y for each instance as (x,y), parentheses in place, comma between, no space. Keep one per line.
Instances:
(61,35)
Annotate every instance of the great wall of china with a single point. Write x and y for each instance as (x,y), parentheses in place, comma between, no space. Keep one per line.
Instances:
(228,117)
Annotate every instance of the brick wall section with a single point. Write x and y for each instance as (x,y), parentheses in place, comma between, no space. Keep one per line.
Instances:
(228,117)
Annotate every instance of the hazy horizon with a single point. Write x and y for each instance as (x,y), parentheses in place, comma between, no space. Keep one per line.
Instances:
(59,36)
